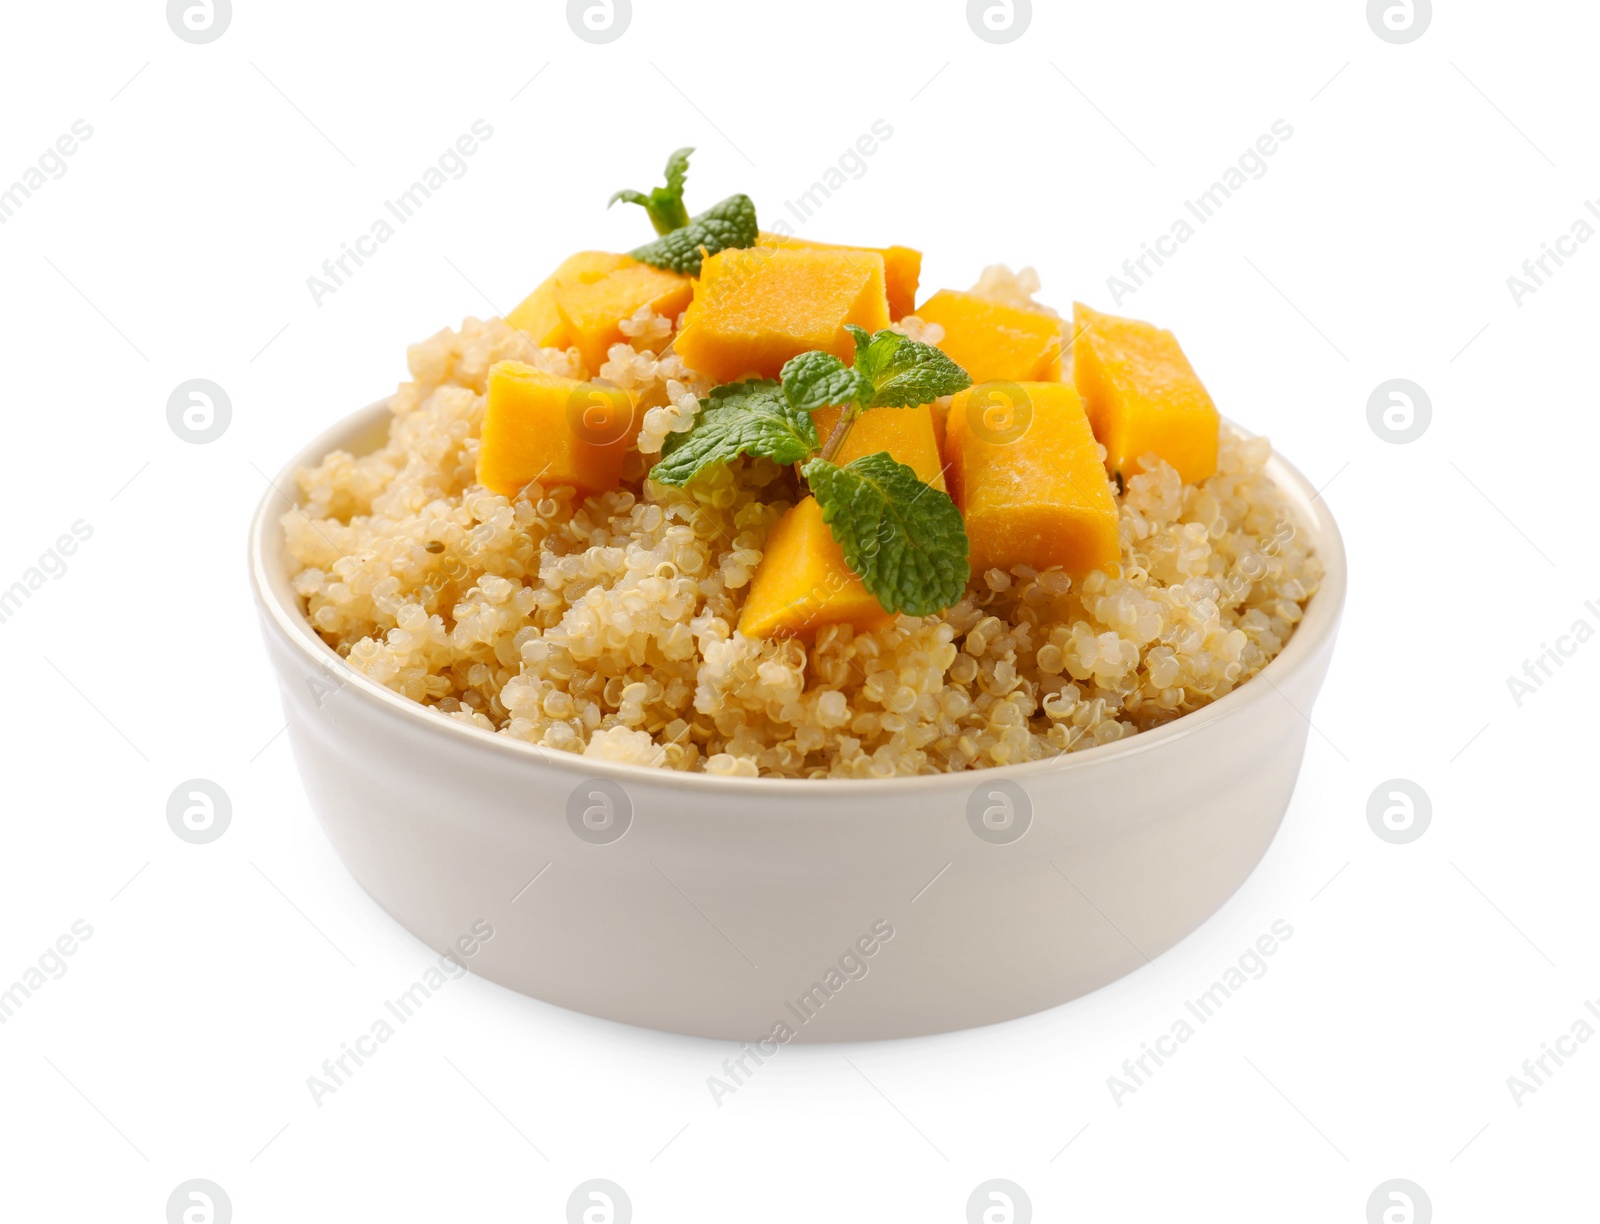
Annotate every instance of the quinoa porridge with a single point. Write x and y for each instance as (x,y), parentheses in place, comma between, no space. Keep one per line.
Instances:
(608,623)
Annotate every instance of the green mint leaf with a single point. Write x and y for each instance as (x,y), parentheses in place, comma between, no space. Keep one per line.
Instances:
(663,204)
(819,380)
(678,170)
(904,539)
(861,336)
(915,374)
(748,418)
(904,373)
(873,353)
(731,223)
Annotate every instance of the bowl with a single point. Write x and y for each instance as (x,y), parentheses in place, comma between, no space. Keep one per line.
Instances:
(774,909)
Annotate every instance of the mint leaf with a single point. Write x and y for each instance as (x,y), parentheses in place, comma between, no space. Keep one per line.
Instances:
(663,204)
(904,373)
(731,223)
(903,538)
(873,352)
(748,418)
(917,374)
(819,380)
(678,170)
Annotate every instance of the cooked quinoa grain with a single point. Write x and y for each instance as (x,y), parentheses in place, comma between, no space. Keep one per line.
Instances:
(606,627)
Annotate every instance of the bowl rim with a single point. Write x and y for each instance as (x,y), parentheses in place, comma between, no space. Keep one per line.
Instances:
(1316,628)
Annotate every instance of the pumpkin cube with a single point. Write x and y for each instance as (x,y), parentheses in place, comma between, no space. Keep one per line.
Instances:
(593,311)
(538,316)
(908,434)
(756,307)
(902,267)
(803,582)
(558,431)
(1029,481)
(990,340)
(1142,395)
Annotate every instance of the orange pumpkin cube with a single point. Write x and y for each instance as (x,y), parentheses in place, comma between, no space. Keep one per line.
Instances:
(908,434)
(558,431)
(902,267)
(592,311)
(990,340)
(803,582)
(756,307)
(1027,476)
(537,315)
(1142,395)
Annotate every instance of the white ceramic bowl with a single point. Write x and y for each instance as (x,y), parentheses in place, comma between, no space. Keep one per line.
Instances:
(729,907)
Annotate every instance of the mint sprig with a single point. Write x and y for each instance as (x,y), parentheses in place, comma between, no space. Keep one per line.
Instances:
(685,240)
(732,223)
(747,418)
(663,204)
(904,373)
(890,371)
(903,538)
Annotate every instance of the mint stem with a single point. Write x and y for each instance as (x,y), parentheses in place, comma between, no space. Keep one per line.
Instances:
(667,215)
(836,439)
(830,448)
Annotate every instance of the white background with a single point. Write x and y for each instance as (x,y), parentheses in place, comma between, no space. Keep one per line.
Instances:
(1377,245)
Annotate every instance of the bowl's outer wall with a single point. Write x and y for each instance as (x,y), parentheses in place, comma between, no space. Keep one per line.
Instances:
(722,906)
(713,912)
